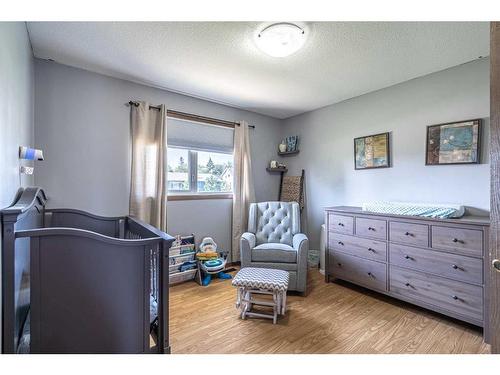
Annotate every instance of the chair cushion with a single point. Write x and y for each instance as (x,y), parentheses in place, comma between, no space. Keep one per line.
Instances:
(262,278)
(275,222)
(274,252)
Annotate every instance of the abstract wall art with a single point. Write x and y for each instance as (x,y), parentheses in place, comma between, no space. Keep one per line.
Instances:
(372,151)
(453,143)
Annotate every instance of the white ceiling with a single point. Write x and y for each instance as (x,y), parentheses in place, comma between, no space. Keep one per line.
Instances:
(219,61)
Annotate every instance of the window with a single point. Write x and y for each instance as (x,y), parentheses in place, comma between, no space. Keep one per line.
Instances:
(200,160)
(178,170)
(193,171)
(215,172)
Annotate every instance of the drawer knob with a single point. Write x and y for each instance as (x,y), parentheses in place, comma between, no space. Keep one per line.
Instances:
(371,228)
(457,240)
(455,297)
(408,257)
(407,284)
(454,266)
(496,264)
(341,224)
(370,274)
(341,243)
(339,264)
(407,234)
(372,250)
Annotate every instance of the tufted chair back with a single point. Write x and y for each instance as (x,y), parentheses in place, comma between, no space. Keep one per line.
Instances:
(274,222)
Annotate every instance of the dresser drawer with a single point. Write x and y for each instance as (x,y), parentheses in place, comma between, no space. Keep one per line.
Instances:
(341,224)
(373,228)
(412,234)
(365,272)
(362,247)
(458,240)
(454,296)
(457,267)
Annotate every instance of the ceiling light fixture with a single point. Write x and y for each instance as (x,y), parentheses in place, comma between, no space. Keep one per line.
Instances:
(281,39)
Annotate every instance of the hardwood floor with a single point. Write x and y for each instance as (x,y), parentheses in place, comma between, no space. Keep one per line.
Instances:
(333,318)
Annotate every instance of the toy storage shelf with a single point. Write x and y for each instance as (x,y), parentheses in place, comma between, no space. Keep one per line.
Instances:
(177,256)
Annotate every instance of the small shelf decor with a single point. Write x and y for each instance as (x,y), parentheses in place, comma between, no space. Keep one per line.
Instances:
(274,166)
(453,143)
(289,145)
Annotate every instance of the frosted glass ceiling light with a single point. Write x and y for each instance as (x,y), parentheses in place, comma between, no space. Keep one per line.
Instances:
(281,39)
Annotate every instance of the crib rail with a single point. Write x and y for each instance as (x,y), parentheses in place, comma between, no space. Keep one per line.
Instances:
(72,218)
(80,267)
(124,227)
(91,278)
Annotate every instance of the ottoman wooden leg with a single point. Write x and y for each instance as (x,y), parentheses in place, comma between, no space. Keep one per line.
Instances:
(275,307)
(283,304)
(238,297)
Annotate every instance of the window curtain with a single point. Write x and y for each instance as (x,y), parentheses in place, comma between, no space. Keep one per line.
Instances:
(148,187)
(244,192)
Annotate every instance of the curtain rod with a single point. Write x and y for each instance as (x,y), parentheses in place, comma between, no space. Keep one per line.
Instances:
(194,118)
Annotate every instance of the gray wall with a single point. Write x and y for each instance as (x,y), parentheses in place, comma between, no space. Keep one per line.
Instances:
(82,124)
(16,106)
(326,144)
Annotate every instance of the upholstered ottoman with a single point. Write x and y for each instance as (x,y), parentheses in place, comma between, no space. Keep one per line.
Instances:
(251,281)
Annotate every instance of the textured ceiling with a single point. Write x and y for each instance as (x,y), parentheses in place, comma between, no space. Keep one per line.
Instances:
(219,61)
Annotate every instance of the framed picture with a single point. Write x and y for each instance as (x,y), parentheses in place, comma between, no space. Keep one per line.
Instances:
(372,151)
(453,143)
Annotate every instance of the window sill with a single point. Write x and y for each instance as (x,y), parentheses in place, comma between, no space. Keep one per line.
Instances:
(191,197)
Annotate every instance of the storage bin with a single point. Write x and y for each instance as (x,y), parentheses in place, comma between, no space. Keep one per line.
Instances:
(180,277)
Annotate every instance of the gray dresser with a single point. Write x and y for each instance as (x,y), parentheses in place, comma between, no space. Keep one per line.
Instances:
(438,264)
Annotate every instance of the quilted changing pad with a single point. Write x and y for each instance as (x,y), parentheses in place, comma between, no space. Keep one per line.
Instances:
(440,211)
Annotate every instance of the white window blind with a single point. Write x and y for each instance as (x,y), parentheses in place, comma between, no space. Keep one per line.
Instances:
(197,136)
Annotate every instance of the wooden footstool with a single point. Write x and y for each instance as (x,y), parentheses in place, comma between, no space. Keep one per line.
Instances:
(252,281)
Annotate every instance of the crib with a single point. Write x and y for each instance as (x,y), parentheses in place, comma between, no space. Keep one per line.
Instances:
(74,282)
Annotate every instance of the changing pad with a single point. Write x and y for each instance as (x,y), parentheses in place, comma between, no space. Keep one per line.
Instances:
(440,211)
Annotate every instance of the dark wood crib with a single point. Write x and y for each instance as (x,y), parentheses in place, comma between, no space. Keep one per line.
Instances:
(74,282)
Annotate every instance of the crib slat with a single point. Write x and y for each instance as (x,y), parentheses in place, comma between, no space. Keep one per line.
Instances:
(35,296)
(146,288)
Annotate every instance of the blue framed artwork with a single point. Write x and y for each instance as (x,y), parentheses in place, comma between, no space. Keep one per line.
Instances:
(372,151)
(454,143)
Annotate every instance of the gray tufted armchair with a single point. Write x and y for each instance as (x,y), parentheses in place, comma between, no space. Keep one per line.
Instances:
(274,241)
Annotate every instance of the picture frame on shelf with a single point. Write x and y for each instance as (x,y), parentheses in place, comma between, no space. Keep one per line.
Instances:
(289,145)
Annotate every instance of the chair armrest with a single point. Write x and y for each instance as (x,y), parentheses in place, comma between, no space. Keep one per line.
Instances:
(249,238)
(300,242)
(247,243)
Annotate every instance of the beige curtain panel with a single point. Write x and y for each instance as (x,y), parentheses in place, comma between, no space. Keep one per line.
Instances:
(148,187)
(244,192)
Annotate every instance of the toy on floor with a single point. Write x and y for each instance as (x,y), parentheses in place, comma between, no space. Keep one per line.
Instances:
(208,250)
(211,262)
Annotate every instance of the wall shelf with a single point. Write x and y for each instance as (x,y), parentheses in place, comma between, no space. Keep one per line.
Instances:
(287,153)
(277,170)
